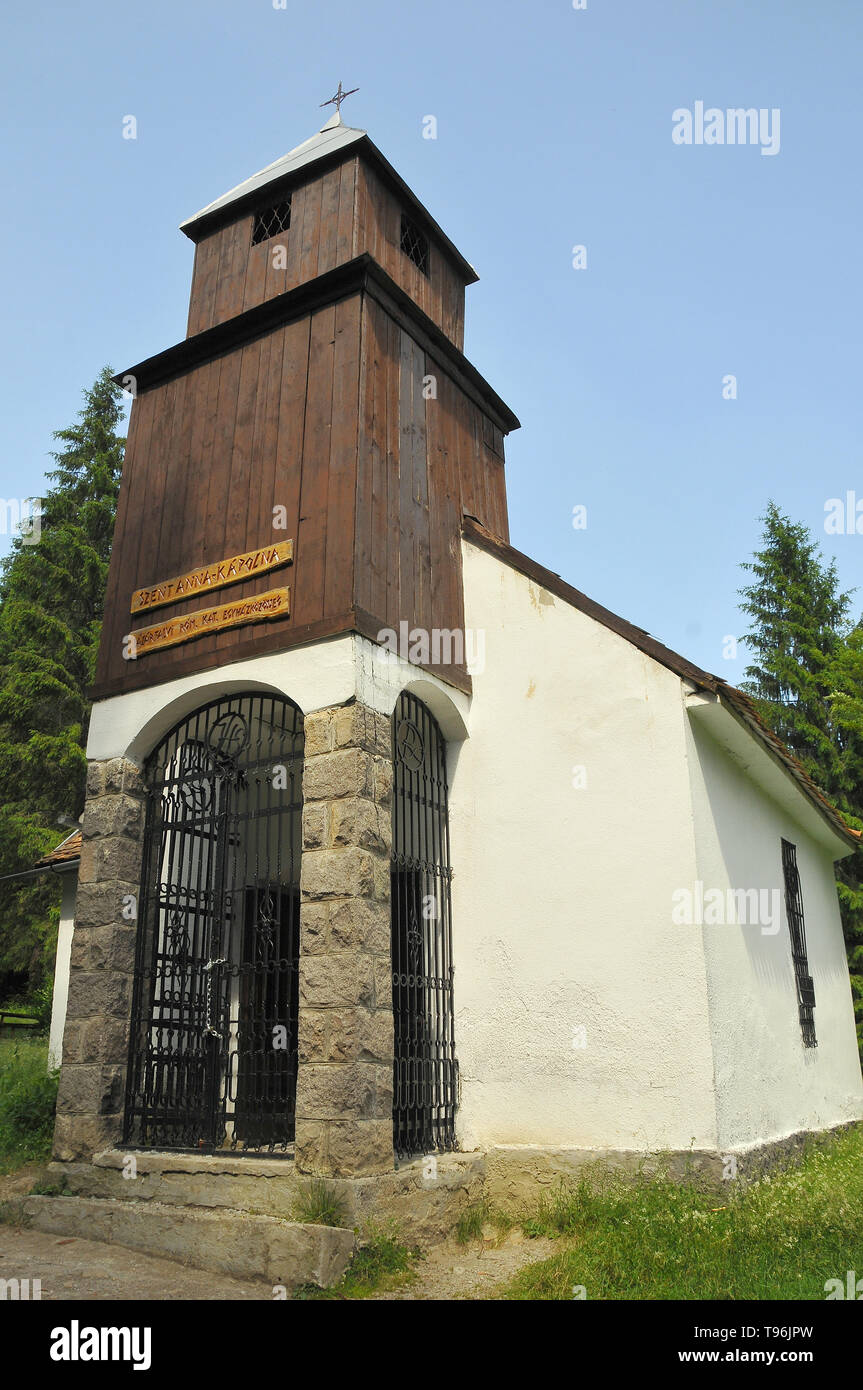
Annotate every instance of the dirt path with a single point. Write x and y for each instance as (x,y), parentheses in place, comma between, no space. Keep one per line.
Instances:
(90,1269)
(451,1272)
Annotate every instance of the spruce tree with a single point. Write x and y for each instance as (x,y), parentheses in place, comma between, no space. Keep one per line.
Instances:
(51,598)
(846,713)
(798,619)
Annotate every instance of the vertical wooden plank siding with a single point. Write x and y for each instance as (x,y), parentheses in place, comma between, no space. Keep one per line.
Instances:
(335,216)
(327,417)
(314,482)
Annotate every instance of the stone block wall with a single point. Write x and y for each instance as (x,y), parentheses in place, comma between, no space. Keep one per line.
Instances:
(345,1079)
(96,1037)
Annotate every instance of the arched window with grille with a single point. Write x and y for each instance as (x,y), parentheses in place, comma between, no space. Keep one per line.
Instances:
(213,1043)
(425,1070)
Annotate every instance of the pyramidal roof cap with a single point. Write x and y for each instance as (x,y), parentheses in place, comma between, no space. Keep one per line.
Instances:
(329,140)
(335,135)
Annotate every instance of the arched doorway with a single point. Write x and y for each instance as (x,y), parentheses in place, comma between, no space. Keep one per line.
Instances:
(213,1045)
(425,1070)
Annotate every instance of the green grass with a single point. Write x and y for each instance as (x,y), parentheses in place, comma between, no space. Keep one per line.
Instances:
(45,1187)
(651,1238)
(380,1263)
(319,1204)
(28,1096)
(476,1219)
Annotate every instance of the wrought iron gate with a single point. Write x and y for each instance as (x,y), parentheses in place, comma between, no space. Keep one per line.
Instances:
(213,1048)
(425,1071)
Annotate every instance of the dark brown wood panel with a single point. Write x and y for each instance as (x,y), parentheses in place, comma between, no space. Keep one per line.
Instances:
(199,460)
(372,516)
(191,493)
(328,228)
(326,416)
(440,294)
(175,531)
(127,531)
(418,471)
(236,531)
(231,274)
(261,258)
(342,471)
(346,227)
(445,554)
(154,529)
(394,578)
(341,213)
(291,422)
(204,279)
(314,479)
(233,265)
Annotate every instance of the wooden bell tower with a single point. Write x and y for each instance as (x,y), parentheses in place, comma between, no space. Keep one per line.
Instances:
(319,433)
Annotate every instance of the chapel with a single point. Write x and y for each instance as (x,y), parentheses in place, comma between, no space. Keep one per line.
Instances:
(402,857)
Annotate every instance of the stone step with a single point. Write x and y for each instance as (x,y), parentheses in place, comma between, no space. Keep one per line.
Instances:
(226,1241)
(262,1187)
(425,1197)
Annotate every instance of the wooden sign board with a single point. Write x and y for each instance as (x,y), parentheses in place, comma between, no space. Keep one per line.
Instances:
(275,603)
(215,576)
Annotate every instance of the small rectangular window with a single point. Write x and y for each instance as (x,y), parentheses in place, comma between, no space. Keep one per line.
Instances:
(415,245)
(794,911)
(270,221)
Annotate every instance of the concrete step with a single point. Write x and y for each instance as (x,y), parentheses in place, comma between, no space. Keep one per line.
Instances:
(226,1241)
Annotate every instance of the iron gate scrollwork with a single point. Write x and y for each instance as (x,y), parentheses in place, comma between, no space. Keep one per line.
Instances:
(425,1071)
(213,1046)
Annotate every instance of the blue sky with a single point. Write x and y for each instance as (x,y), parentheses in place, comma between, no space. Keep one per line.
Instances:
(554,130)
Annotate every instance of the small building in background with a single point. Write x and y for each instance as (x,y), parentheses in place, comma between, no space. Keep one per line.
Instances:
(63,860)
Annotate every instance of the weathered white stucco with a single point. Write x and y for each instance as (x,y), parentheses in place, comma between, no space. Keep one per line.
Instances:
(563,903)
(318,676)
(767,1083)
(561,896)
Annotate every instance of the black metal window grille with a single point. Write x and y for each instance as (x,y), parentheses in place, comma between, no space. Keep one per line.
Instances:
(271,221)
(425,1071)
(213,1043)
(794,910)
(415,245)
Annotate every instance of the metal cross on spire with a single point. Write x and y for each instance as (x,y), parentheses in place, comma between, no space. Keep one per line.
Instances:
(339,97)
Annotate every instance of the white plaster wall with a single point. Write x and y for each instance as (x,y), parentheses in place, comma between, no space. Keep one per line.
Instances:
(318,676)
(767,1083)
(313,677)
(60,995)
(562,897)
